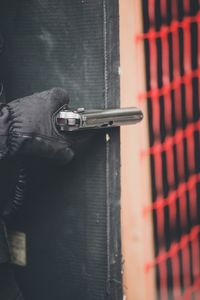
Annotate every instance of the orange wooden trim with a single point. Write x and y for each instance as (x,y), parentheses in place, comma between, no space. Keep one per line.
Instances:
(137,233)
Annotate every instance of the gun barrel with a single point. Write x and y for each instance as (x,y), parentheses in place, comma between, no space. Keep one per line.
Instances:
(71,120)
(112,117)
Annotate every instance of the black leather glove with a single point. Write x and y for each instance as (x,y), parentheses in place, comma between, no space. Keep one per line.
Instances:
(27,126)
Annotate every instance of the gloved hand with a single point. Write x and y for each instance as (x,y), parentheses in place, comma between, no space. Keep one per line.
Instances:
(27,126)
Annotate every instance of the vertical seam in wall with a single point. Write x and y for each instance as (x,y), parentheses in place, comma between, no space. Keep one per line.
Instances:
(105,36)
(108,217)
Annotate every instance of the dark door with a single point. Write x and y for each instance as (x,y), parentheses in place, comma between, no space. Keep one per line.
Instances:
(71,214)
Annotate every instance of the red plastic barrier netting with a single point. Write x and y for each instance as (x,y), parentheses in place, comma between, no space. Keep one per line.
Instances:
(172,49)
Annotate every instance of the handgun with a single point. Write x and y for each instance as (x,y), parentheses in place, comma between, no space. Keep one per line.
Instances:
(82,119)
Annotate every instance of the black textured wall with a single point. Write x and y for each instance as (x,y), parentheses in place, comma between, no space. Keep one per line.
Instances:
(70,215)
